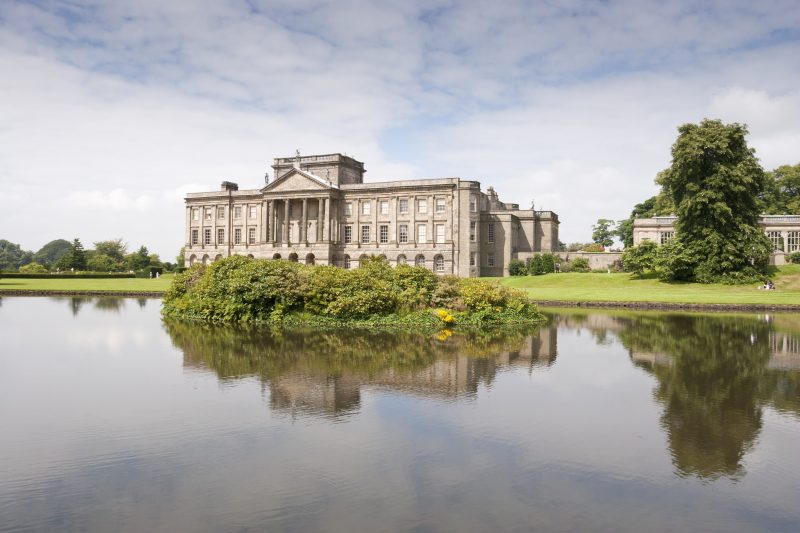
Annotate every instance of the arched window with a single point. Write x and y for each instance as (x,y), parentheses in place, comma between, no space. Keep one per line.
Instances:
(250,256)
(309,259)
(293,257)
(347,261)
(420,260)
(218,257)
(276,256)
(192,260)
(438,263)
(361,260)
(401,260)
(205,259)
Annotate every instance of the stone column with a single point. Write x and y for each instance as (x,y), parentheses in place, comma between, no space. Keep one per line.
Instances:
(304,227)
(785,237)
(375,227)
(326,222)
(319,219)
(188,228)
(271,221)
(286,221)
(412,224)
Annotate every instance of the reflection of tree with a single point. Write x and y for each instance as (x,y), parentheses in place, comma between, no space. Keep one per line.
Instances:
(713,388)
(109,303)
(76,303)
(324,372)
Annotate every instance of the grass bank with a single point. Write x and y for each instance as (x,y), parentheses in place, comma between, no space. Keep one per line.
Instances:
(603,287)
(86,286)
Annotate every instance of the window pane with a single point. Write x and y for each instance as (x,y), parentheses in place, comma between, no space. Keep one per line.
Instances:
(423,206)
(384,207)
(440,205)
(439,233)
(348,208)
(472,227)
(364,234)
(251,235)
(422,233)
(403,206)
(490,232)
(403,236)
(365,208)
(348,234)
(384,234)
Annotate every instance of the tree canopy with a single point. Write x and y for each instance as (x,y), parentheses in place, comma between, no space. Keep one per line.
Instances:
(603,232)
(715,182)
(12,256)
(51,252)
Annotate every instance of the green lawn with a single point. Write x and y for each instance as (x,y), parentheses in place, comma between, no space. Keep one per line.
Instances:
(106,285)
(602,287)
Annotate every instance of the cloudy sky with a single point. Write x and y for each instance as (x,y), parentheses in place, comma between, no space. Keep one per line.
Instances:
(110,111)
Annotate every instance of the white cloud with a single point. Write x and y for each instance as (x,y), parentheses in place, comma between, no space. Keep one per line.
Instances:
(116,200)
(121,105)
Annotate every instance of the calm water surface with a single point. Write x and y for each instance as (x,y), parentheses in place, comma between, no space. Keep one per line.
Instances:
(113,420)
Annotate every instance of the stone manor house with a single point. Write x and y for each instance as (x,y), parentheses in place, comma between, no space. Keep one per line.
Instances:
(319,210)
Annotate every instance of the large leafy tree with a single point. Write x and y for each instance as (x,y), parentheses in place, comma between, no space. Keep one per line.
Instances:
(74,259)
(603,232)
(51,252)
(715,182)
(12,256)
(108,256)
(782,191)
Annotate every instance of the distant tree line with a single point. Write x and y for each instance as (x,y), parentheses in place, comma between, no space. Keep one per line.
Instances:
(63,255)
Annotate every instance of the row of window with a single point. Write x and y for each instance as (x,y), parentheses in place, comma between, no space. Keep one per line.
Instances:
(238,210)
(402,206)
(792,243)
(402,234)
(438,262)
(237,236)
(366,208)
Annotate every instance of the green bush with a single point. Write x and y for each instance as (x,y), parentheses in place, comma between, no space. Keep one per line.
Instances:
(236,289)
(640,259)
(580,264)
(535,267)
(548,262)
(517,268)
(67,275)
(33,268)
(794,258)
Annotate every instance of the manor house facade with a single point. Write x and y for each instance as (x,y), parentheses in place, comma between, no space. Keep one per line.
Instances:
(319,210)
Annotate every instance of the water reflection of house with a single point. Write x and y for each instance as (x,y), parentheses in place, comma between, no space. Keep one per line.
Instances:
(785,351)
(447,377)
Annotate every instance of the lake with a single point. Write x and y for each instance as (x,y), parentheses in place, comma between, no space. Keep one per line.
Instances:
(115,420)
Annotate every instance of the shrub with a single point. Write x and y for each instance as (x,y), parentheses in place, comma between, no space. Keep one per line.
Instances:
(447,293)
(236,289)
(594,247)
(793,258)
(415,285)
(535,267)
(33,268)
(517,268)
(548,263)
(580,264)
(640,259)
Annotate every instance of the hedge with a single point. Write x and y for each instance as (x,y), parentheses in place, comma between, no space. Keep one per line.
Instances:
(64,275)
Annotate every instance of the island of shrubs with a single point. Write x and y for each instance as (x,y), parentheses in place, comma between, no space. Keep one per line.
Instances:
(279,292)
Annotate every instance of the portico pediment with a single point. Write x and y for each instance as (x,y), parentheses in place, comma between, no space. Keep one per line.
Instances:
(298,180)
